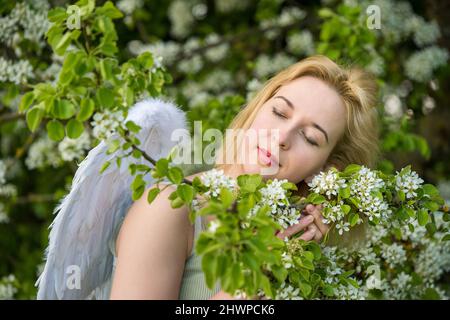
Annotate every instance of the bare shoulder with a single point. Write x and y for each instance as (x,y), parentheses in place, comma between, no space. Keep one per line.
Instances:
(159,215)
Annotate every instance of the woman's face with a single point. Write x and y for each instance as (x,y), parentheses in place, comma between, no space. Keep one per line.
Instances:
(310,117)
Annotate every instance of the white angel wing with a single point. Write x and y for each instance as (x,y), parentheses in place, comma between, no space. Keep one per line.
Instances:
(89,215)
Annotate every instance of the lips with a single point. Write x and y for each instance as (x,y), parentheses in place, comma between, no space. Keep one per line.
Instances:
(267,157)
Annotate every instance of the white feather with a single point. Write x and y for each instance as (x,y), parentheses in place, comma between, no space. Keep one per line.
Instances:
(89,215)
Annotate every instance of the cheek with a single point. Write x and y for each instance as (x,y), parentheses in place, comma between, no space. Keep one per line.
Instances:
(303,163)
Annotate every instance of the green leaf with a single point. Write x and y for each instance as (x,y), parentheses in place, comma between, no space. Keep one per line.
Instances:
(104,166)
(34,117)
(74,129)
(63,109)
(422,217)
(209,267)
(238,276)
(65,78)
(55,130)
(328,290)
(105,97)
(152,194)
(162,167)
(87,107)
(146,60)
(289,186)
(109,10)
(249,182)
(57,15)
(431,205)
(345,208)
(265,284)
(250,261)
(138,187)
(305,288)
(325,13)
(63,43)
(315,198)
(351,169)
(177,203)
(138,193)
(344,192)
(113,146)
(430,190)
(353,219)
(226,196)
(280,273)
(26,101)
(185,192)
(175,175)
(133,127)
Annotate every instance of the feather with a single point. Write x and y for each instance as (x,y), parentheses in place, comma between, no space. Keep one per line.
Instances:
(88,217)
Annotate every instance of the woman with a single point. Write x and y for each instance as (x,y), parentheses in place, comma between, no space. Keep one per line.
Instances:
(325,116)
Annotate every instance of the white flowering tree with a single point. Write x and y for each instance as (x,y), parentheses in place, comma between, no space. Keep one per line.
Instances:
(69,74)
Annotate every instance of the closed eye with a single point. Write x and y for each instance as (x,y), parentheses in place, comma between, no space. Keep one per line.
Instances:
(280,115)
(309,140)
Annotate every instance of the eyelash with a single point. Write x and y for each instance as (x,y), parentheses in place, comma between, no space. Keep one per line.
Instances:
(280,115)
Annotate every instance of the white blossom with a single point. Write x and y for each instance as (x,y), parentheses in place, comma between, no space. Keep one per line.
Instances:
(399,287)
(327,183)
(8,190)
(181,17)
(199,11)
(376,65)
(27,19)
(74,149)
(267,66)
(129,6)
(349,292)
(2,172)
(43,153)
(394,254)
(168,50)
(217,52)
(7,287)
(106,123)
(217,80)
(408,183)
(16,72)
(332,213)
(253,86)
(433,261)
(192,65)
(213,225)
(301,43)
(274,195)
(287,260)
(215,180)
(428,104)
(362,188)
(4,218)
(290,15)
(342,227)
(288,292)
(421,65)
(393,106)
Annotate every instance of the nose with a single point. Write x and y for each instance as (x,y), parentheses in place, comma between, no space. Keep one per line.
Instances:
(284,139)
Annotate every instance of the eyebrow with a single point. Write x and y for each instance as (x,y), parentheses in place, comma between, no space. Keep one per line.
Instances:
(315,125)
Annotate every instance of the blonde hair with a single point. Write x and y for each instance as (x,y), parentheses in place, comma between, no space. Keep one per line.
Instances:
(358,91)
